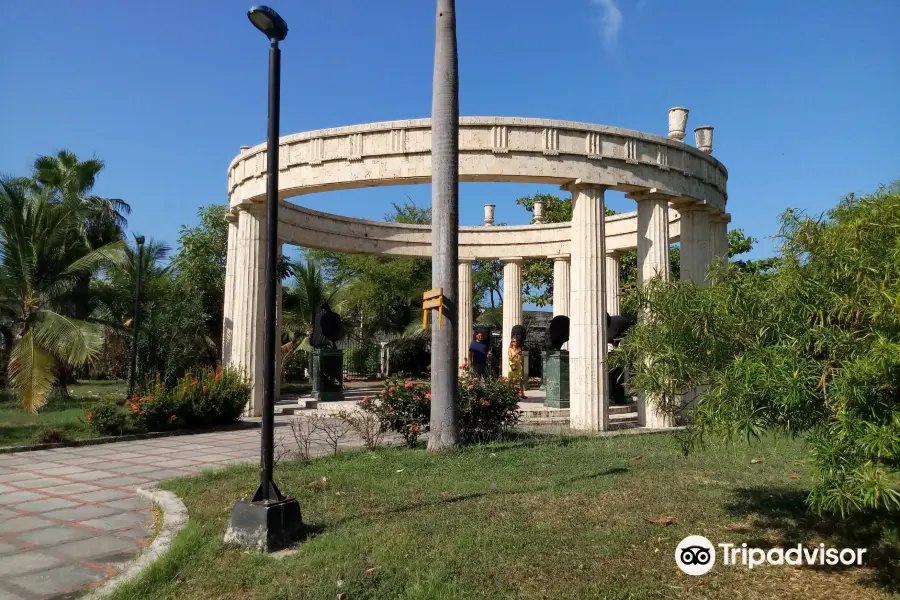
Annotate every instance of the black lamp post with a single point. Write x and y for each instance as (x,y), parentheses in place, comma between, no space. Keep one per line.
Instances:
(136,317)
(269,520)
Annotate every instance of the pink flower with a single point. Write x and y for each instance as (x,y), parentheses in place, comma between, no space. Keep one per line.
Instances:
(428,396)
(205,388)
(390,409)
(408,384)
(413,427)
(417,398)
(365,399)
(471,387)
(484,402)
(391,389)
(464,365)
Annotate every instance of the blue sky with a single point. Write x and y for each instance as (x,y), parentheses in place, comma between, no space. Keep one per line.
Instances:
(803,94)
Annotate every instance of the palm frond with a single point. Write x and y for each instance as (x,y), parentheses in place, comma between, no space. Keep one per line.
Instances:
(31,373)
(112,253)
(70,340)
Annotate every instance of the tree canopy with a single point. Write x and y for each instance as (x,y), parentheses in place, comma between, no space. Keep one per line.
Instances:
(808,346)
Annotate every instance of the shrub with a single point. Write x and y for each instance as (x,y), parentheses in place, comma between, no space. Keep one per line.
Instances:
(156,410)
(488,407)
(106,418)
(198,400)
(51,435)
(212,398)
(810,347)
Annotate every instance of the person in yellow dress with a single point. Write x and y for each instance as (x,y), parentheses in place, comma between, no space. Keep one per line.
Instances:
(515,365)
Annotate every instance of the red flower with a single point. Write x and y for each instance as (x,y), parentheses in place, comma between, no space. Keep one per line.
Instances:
(219,377)
(91,415)
(464,365)
(471,387)
(408,384)
(390,409)
(365,400)
(205,388)
(484,402)
(185,388)
(417,398)
(391,389)
(413,427)
(428,396)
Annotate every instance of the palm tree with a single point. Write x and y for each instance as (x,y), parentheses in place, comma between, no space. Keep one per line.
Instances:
(445,227)
(42,256)
(74,179)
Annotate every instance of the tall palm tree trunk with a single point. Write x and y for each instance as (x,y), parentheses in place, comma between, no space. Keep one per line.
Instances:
(445,225)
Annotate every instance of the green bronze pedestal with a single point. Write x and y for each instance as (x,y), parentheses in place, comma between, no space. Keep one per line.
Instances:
(328,375)
(543,371)
(556,377)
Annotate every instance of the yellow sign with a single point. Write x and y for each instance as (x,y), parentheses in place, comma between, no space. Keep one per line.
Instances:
(433,299)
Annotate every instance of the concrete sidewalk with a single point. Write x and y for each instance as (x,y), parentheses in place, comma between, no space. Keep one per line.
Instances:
(70,517)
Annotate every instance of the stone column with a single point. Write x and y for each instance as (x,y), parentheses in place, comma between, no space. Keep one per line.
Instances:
(561,285)
(231,267)
(652,237)
(613,285)
(718,225)
(652,261)
(512,305)
(695,243)
(464,332)
(588,387)
(248,308)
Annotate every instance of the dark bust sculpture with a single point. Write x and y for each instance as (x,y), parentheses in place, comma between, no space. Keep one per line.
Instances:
(616,328)
(326,328)
(519,333)
(557,333)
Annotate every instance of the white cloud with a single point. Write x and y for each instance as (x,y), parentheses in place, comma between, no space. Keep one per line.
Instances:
(611,20)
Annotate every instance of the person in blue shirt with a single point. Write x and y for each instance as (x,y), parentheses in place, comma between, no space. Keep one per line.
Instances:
(478,355)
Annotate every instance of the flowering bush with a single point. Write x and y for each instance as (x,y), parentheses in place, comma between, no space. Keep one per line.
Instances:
(212,398)
(488,407)
(155,409)
(106,418)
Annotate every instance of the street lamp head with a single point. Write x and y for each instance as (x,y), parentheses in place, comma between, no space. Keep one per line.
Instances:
(140,240)
(269,22)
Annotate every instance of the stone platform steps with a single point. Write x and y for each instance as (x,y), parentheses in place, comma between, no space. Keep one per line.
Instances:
(533,410)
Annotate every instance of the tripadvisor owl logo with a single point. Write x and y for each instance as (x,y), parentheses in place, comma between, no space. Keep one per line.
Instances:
(695,555)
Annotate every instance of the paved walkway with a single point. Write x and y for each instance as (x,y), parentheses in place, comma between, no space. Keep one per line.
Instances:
(70,517)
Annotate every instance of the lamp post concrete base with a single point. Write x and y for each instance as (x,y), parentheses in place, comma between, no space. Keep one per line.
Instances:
(265,526)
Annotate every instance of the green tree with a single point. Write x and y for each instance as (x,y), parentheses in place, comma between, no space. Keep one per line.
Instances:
(379,294)
(200,263)
(44,251)
(810,347)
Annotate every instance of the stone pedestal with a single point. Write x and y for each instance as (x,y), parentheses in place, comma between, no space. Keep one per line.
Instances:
(556,378)
(328,375)
(526,356)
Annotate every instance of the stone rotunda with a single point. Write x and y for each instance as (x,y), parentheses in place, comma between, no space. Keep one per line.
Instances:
(680,193)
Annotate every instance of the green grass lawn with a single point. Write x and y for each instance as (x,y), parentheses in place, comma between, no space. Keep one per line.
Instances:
(539,518)
(18,428)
